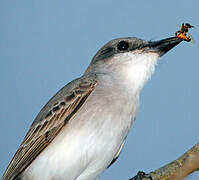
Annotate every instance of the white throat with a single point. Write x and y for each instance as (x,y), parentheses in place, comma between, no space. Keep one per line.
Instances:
(134,69)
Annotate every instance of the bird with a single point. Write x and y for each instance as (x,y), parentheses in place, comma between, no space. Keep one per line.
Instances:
(82,129)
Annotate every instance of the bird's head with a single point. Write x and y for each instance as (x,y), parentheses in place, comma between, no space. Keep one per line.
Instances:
(130,60)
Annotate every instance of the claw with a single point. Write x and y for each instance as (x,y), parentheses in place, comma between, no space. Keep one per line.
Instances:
(140,175)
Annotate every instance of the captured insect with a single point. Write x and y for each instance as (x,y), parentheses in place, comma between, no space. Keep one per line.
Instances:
(182,33)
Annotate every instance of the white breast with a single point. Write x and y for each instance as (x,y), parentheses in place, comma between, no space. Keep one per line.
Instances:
(88,143)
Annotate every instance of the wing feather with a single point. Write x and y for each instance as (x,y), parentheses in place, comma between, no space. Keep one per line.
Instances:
(51,119)
(116,155)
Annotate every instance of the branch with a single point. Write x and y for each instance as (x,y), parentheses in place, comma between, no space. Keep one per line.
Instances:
(178,169)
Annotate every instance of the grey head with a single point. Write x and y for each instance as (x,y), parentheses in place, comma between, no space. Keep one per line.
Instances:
(129,45)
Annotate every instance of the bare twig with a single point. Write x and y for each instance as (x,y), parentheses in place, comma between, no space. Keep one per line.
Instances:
(180,168)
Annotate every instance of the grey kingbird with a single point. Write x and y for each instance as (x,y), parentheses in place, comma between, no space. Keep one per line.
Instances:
(82,129)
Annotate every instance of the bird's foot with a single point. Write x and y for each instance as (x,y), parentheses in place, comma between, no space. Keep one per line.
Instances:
(141,175)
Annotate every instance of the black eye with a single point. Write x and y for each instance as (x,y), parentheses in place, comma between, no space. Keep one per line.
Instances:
(123,45)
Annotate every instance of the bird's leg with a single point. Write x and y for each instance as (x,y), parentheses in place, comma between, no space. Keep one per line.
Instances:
(140,175)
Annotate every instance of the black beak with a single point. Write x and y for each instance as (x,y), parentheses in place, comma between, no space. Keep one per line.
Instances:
(164,45)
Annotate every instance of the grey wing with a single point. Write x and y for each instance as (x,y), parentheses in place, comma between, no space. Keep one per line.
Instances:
(51,119)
